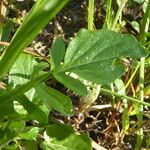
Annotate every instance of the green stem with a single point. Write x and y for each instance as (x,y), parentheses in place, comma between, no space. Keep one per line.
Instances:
(144,22)
(109,92)
(132,76)
(125,116)
(140,108)
(141,79)
(24,88)
(113,97)
(108,14)
(118,14)
(92,95)
(1,31)
(91,15)
(43,10)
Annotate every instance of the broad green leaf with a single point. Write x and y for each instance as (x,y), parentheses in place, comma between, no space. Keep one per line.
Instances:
(29,145)
(50,146)
(29,134)
(63,131)
(54,99)
(62,137)
(41,13)
(74,84)
(57,53)
(34,111)
(22,69)
(92,54)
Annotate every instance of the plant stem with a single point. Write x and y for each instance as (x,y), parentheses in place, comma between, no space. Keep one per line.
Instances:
(2,15)
(119,13)
(140,107)
(91,15)
(144,22)
(108,14)
(109,92)
(1,31)
(23,88)
(43,10)
(93,94)
(125,116)
(132,76)
(141,79)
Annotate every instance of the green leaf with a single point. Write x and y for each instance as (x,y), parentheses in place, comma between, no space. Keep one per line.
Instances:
(34,111)
(12,146)
(125,119)
(29,145)
(125,116)
(62,137)
(120,86)
(17,126)
(6,109)
(7,30)
(22,69)
(74,84)
(29,134)
(57,53)
(139,1)
(147,90)
(41,13)
(92,55)
(54,99)
(63,131)
(50,146)
(38,69)
(21,72)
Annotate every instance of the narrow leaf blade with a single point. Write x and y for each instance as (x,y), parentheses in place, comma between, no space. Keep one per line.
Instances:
(34,111)
(57,53)
(74,84)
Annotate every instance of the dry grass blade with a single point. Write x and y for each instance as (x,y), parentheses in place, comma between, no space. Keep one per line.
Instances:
(97,147)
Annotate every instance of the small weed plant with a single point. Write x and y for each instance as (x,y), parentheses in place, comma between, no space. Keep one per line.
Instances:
(93,56)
